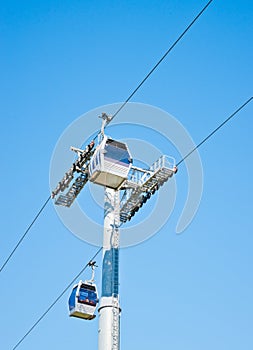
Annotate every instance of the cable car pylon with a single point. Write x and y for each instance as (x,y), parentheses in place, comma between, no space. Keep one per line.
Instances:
(109,308)
(126,189)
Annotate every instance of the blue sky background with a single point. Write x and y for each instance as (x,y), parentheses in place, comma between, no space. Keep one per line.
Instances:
(59,59)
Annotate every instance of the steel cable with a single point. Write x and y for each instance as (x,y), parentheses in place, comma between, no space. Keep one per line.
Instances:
(26,232)
(215,130)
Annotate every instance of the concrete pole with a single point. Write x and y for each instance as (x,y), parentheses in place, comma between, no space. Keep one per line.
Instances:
(109,310)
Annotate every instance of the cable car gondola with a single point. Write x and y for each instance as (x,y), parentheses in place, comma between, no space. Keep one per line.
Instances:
(110,163)
(83,300)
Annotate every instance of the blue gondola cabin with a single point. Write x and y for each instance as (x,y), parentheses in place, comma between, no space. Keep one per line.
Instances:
(110,163)
(83,300)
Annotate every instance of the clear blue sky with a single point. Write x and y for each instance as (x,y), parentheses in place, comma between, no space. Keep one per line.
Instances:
(60,59)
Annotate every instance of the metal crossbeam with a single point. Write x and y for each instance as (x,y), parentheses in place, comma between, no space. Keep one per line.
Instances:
(67,199)
(146,185)
(79,166)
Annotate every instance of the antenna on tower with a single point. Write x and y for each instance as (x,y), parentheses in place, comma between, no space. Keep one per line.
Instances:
(105,121)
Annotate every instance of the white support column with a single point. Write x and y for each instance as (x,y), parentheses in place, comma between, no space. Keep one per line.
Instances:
(109,309)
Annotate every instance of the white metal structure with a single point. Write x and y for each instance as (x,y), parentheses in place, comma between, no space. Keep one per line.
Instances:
(109,309)
(110,164)
(67,199)
(144,183)
(79,166)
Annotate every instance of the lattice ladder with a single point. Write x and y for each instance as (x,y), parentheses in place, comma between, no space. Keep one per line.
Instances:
(115,324)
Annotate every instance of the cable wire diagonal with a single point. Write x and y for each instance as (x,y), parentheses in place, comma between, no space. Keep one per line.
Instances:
(56,300)
(162,58)
(215,130)
(25,233)
(159,62)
